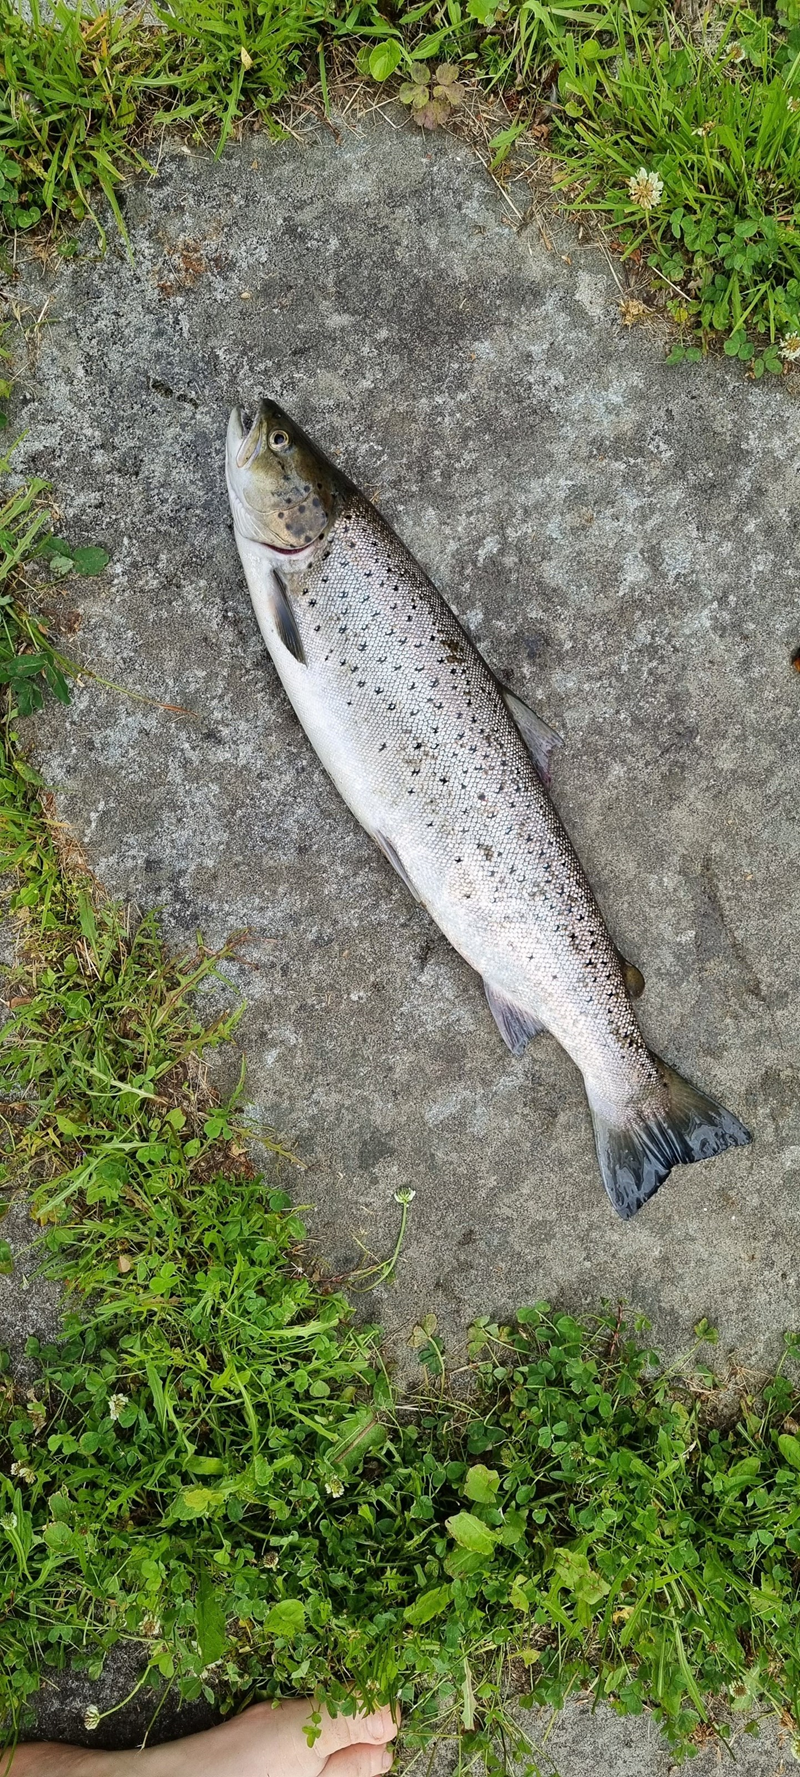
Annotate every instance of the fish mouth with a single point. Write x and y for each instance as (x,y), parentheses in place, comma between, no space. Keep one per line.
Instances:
(304,547)
(273,499)
(244,431)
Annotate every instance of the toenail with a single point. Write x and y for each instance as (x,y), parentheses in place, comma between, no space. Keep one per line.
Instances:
(387,1761)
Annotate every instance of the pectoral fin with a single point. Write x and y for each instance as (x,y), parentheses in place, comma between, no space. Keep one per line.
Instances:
(516,1026)
(540,739)
(285,619)
(394,858)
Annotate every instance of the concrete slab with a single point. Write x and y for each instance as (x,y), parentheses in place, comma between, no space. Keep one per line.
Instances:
(618,535)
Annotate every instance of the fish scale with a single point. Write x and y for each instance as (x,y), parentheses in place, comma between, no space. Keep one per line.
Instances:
(434,757)
(436,764)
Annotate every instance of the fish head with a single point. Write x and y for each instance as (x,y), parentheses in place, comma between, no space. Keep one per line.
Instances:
(281,490)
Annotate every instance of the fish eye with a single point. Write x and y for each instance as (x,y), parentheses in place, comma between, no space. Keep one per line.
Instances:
(279,440)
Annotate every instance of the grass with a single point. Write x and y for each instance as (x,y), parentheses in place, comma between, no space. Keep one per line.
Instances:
(611,86)
(719,123)
(213,1469)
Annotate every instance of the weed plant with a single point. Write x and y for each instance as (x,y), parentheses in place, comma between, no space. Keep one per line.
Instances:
(212,1465)
(718,123)
(710,115)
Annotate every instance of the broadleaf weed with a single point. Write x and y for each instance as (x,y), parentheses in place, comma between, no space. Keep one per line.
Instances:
(722,135)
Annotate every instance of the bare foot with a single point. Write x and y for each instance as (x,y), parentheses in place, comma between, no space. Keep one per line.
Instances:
(265,1741)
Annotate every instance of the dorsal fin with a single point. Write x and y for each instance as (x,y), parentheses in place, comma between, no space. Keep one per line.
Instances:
(540,739)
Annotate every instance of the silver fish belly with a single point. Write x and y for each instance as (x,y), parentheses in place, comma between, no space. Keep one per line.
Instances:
(418,737)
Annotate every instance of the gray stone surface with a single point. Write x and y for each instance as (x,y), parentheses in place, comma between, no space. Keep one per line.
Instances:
(620,538)
(582,1741)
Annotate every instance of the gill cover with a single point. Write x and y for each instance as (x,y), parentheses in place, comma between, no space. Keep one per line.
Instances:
(280,489)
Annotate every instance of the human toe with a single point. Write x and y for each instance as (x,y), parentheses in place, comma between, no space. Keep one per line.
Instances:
(359,1761)
(338,1732)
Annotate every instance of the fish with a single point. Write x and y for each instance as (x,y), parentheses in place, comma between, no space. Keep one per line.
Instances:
(448,771)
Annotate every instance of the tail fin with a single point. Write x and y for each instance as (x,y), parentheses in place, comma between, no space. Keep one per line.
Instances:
(682,1125)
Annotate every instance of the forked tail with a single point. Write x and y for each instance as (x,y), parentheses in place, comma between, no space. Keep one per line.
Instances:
(683,1125)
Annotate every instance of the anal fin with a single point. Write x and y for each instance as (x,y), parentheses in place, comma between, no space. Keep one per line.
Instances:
(516,1026)
(391,853)
(540,739)
(285,619)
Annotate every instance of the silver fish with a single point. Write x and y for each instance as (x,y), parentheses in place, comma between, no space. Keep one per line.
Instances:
(447,771)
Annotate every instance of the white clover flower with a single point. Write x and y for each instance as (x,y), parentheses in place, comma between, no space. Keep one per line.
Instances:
(645,189)
(335,1487)
(407,1196)
(116,1405)
(793,104)
(736,52)
(151,1627)
(9,1522)
(23,1471)
(705,128)
(790,347)
(91,1718)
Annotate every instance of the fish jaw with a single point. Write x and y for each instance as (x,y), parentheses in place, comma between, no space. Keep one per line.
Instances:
(261,560)
(282,491)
